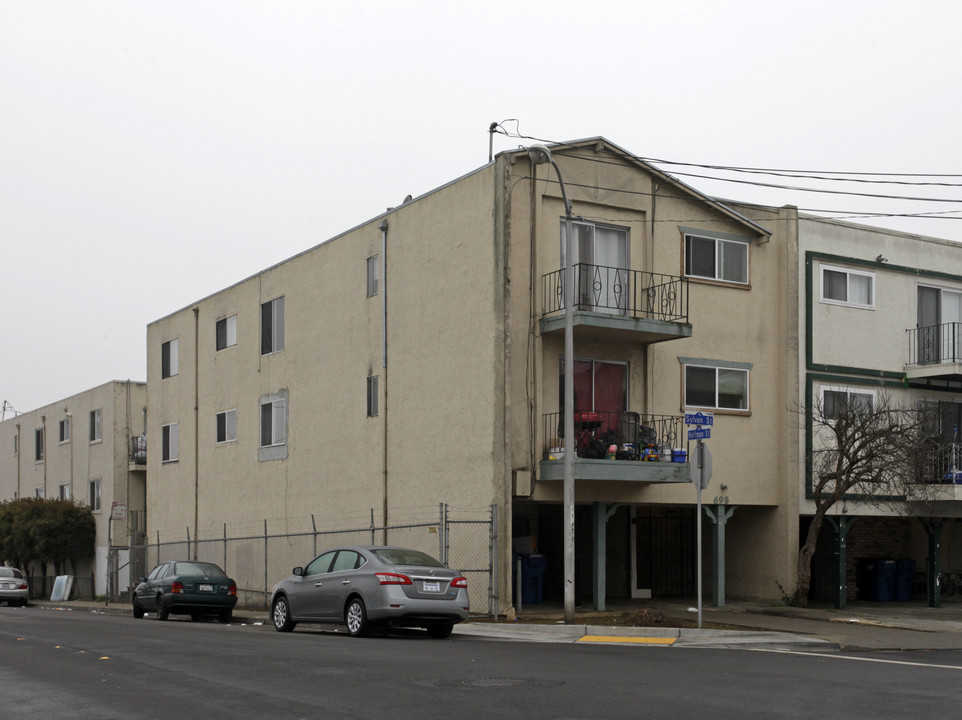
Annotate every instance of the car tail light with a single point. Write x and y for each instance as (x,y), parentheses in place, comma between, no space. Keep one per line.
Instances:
(392,579)
(232,590)
(460,582)
(22,586)
(177,587)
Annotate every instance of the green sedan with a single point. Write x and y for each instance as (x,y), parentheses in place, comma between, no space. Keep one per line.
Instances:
(186,588)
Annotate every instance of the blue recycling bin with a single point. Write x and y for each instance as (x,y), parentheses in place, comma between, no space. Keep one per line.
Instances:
(532,579)
(904,576)
(885,580)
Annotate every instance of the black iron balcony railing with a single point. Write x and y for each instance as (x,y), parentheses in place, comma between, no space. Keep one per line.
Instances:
(612,290)
(138,450)
(935,344)
(943,465)
(596,432)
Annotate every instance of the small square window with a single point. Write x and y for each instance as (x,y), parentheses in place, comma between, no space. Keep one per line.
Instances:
(64,492)
(848,287)
(226,426)
(40,493)
(722,388)
(226,332)
(168,358)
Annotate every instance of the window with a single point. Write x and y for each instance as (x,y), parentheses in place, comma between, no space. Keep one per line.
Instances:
(40,493)
(346,560)
(94,497)
(227,426)
(168,358)
(837,402)
(939,322)
(848,287)
(38,444)
(272,416)
(321,564)
(96,430)
(272,326)
(64,492)
(16,444)
(65,430)
(372,276)
(169,451)
(226,332)
(372,396)
(721,386)
(600,265)
(716,258)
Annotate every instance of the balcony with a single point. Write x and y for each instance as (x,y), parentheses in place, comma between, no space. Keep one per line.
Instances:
(137,459)
(935,352)
(632,433)
(644,306)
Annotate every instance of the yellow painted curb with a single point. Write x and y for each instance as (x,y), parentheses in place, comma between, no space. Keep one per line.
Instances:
(615,638)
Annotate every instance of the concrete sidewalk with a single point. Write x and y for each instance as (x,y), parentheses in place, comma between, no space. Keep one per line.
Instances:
(740,624)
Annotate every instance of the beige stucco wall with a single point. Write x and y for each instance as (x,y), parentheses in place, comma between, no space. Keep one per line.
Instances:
(78,461)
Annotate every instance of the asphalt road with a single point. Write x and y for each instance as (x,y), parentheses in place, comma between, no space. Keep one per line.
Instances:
(57,664)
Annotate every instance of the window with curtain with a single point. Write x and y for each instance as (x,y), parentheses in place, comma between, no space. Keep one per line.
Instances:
(601,266)
(718,387)
(841,286)
(600,387)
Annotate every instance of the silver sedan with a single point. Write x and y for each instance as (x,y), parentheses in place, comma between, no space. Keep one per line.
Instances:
(362,586)
(13,587)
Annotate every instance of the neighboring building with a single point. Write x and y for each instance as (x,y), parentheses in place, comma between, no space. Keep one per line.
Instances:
(84,448)
(417,358)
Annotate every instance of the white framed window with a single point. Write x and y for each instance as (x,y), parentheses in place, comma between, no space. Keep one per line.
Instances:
(600,260)
(65,430)
(716,385)
(93,495)
(226,426)
(168,358)
(38,444)
(717,258)
(273,419)
(40,493)
(272,326)
(372,396)
(372,276)
(64,492)
(169,443)
(226,332)
(841,286)
(96,425)
(838,401)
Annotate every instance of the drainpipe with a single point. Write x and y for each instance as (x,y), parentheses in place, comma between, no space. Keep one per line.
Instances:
(196,424)
(43,433)
(383,228)
(19,453)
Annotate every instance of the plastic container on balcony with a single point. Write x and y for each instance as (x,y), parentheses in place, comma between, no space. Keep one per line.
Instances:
(679,455)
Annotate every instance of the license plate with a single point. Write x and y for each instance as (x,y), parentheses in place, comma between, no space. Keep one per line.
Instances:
(205,587)
(431,587)
(8,585)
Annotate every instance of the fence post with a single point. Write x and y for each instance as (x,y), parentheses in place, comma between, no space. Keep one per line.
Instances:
(266,589)
(441,533)
(314,527)
(158,548)
(493,564)
(372,526)
(188,543)
(225,547)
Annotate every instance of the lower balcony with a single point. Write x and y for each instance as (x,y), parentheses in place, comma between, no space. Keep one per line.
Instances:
(616,446)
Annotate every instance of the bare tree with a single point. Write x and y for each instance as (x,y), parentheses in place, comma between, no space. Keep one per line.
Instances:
(864,446)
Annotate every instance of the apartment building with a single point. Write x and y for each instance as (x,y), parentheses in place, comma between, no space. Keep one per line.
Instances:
(87,448)
(418,358)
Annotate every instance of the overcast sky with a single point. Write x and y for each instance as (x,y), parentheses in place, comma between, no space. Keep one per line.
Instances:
(153,153)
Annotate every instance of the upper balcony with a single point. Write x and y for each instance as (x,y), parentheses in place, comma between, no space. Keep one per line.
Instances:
(935,351)
(137,458)
(642,306)
(649,448)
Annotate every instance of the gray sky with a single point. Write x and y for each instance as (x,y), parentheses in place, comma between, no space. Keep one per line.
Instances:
(152,153)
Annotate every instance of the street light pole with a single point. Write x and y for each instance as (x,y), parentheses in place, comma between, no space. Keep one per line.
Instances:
(540,155)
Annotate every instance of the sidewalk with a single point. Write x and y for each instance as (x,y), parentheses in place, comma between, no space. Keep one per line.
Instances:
(740,624)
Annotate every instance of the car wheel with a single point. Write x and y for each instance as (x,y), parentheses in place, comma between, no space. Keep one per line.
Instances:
(138,609)
(281,615)
(162,612)
(355,617)
(441,631)
(225,615)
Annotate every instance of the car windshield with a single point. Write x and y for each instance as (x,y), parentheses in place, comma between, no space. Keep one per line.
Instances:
(198,568)
(401,556)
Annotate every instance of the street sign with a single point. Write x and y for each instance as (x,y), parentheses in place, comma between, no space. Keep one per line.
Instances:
(118,510)
(702,433)
(699,418)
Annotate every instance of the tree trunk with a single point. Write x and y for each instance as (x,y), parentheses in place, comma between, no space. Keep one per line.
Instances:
(805,555)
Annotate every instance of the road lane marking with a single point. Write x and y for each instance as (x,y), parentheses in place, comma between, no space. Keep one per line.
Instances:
(861,659)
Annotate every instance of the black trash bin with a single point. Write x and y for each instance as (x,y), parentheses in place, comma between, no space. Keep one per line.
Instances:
(904,575)
(885,580)
(532,579)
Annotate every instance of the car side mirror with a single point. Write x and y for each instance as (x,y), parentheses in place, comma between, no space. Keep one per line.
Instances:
(299,571)
(141,578)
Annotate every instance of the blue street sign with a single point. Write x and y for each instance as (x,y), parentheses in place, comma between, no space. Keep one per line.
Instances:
(699,418)
(703,433)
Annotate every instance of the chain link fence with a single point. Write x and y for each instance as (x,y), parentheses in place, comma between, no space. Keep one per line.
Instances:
(464,538)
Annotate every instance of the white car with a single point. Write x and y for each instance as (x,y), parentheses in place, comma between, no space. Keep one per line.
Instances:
(14,587)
